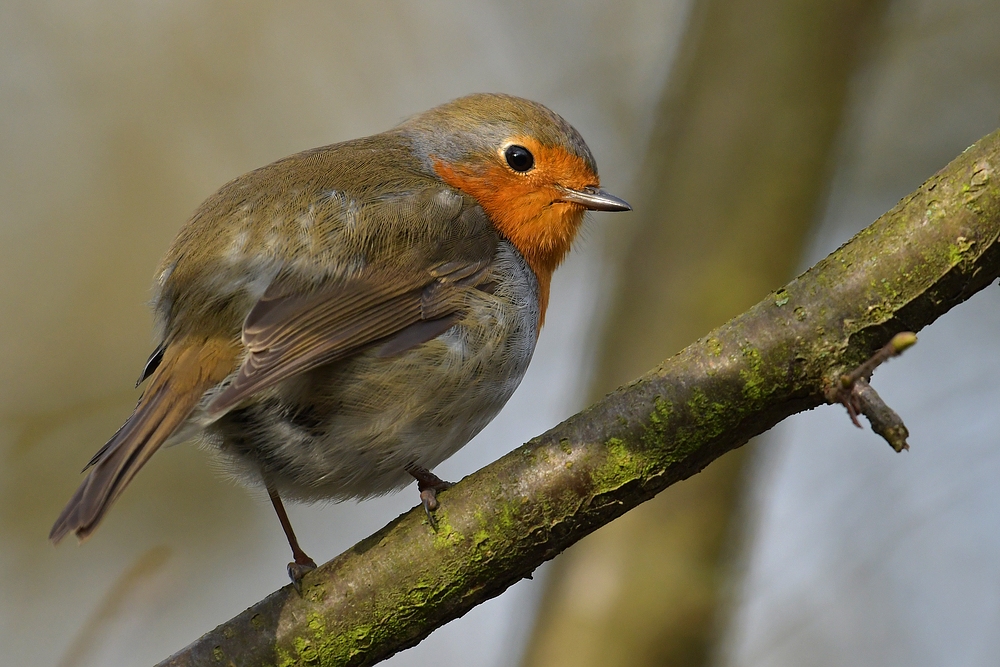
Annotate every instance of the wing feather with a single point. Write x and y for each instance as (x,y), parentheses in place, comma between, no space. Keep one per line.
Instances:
(187,370)
(291,331)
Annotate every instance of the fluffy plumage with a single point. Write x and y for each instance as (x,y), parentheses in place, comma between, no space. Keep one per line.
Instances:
(346,314)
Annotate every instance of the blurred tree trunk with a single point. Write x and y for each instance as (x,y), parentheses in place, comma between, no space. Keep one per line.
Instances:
(736,171)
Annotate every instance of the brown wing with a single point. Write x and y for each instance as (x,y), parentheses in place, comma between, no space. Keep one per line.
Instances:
(292,330)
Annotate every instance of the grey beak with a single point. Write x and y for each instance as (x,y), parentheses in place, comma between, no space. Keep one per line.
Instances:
(595,199)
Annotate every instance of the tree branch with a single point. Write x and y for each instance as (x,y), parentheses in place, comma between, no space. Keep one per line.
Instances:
(787,354)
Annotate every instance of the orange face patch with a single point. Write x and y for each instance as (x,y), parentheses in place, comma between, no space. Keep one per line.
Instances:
(524,206)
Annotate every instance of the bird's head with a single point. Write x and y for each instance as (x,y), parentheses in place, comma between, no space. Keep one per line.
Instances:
(529,169)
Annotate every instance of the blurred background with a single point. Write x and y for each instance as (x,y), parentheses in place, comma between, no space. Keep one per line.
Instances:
(751,136)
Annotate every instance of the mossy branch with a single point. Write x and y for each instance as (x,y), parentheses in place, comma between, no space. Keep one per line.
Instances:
(787,354)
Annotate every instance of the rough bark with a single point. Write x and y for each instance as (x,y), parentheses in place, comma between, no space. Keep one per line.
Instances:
(935,249)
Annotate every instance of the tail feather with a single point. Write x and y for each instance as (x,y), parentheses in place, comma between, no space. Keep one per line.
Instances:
(186,372)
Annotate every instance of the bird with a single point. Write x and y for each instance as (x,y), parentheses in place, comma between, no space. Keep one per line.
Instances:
(337,323)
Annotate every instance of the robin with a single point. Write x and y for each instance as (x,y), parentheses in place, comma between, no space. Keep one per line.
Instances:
(339,322)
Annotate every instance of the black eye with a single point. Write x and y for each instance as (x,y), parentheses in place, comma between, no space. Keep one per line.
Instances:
(519,158)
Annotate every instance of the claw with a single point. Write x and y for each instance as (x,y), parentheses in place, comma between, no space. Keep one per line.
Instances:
(428,484)
(428,498)
(298,570)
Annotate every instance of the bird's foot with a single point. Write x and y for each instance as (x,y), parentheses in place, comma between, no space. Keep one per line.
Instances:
(298,569)
(429,485)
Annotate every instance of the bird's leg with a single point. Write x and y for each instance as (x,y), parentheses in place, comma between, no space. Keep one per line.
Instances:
(428,484)
(302,563)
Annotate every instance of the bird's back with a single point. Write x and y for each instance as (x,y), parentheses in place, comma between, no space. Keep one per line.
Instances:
(319,215)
